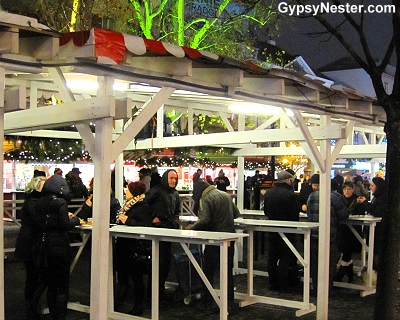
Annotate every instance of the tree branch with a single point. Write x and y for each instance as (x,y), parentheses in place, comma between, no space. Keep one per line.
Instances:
(342,40)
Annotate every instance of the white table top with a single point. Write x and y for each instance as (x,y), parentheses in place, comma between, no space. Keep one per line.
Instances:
(276,223)
(362,219)
(252,212)
(188,218)
(175,234)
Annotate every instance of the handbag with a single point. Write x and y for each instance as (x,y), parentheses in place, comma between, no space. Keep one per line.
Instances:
(39,253)
(140,253)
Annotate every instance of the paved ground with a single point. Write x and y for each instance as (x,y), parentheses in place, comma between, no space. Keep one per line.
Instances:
(346,304)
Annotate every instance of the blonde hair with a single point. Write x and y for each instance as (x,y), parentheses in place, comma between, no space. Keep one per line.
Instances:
(34,184)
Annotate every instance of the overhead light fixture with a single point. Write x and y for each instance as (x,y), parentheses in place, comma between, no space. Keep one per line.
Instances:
(253,108)
(289,112)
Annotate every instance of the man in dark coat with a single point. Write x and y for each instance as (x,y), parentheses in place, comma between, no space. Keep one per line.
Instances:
(76,187)
(280,204)
(216,213)
(164,202)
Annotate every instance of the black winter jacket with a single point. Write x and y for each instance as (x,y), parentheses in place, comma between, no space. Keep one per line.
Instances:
(87,211)
(58,223)
(165,203)
(280,203)
(28,234)
(139,215)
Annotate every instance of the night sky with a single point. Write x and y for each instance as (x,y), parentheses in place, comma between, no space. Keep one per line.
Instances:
(319,51)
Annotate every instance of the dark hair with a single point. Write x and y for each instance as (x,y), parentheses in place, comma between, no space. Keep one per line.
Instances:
(358,178)
(136,188)
(196,177)
(380,185)
(348,184)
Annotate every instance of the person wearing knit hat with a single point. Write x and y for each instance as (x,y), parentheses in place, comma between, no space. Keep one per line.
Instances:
(314,179)
(280,204)
(132,256)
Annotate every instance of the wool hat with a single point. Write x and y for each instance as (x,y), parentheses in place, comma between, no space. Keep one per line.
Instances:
(39,173)
(314,179)
(334,185)
(291,172)
(283,175)
(76,170)
(136,188)
(58,171)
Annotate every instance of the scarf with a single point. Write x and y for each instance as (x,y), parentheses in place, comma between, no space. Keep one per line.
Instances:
(129,204)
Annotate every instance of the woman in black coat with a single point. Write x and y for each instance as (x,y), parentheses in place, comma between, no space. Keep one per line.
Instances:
(27,236)
(348,243)
(132,256)
(53,217)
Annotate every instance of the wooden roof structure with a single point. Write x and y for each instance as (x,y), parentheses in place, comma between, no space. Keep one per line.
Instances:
(119,75)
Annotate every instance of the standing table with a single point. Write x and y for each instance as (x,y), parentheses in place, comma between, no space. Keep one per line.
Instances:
(367,252)
(221,239)
(282,227)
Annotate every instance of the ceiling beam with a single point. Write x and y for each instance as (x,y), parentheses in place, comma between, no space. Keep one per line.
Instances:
(275,135)
(348,151)
(49,116)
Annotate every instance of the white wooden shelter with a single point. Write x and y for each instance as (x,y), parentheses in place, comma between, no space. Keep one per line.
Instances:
(119,73)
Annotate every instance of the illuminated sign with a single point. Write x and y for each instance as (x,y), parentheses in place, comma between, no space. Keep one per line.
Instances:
(205,8)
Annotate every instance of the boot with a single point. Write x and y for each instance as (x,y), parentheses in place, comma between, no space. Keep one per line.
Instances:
(61,307)
(340,273)
(350,273)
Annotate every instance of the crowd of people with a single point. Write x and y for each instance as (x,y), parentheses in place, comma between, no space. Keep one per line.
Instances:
(153,201)
(349,196)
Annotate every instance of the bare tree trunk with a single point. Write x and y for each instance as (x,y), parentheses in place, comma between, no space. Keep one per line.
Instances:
(386,291)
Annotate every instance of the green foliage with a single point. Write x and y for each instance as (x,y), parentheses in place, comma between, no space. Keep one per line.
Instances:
(42,149)
(225,27)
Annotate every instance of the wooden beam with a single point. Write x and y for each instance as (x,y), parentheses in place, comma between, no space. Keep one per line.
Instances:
(224,76)
(15,98)
(49,116)
(172,66)
(149,109)
(9,40)
(246,137)
(301,93)
(265,85)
